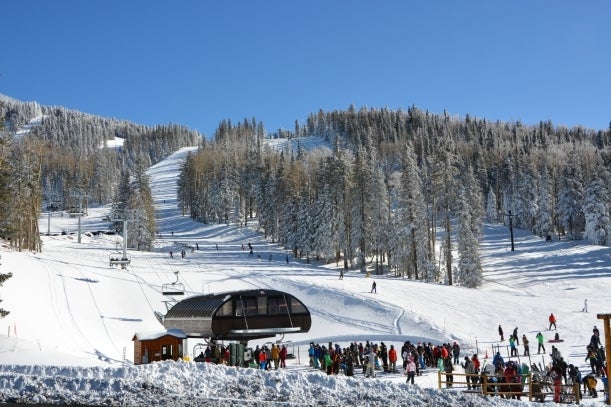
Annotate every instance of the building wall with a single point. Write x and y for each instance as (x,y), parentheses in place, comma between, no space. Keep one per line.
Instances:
(154,349)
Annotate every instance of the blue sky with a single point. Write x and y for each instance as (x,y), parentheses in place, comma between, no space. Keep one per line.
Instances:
(198,62)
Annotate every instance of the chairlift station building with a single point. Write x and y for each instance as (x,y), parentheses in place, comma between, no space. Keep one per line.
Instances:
(239,316)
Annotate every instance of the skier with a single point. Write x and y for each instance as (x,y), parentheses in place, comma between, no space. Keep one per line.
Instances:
(540,340)
(501,333)
(552,321)
(373,288)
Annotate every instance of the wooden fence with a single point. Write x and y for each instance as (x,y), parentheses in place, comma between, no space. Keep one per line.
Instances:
(490,386)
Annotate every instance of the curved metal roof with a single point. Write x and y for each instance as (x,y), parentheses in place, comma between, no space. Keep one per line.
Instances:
(204,306)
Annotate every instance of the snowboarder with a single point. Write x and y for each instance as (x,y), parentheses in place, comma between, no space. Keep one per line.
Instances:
(585,306)
(552,321)
(341,274)
(501,333)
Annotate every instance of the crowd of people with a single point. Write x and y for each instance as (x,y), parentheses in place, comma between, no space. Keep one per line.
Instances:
(372,357)
(262,357)
(558,373)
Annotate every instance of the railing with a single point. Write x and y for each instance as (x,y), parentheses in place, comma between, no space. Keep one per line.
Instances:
(490,386)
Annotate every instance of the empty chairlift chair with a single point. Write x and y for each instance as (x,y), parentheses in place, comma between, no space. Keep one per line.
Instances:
(173,289)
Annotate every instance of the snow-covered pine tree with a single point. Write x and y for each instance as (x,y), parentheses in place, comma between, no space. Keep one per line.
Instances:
(443,174)
(469,263)
(473,194)
(362,204)
(596,211)
(4,172)
(526,198)
(492,213)
(380,216)
(570,198)
(544,226)
(414,233)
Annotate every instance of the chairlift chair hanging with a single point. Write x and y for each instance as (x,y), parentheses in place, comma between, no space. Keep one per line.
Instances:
(173,289)
(120,259)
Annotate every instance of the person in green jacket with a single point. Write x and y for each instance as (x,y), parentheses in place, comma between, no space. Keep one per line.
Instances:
(540,340)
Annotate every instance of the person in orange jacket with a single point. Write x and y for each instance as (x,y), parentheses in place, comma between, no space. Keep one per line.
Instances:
(552,321)
(276,355)
(392,359)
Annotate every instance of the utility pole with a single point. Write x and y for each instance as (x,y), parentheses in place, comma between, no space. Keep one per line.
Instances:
(124,260)
(79,195)
(52,206)
(510,228)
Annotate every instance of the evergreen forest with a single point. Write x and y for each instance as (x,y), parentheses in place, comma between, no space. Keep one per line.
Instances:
(401,192)
(63,162)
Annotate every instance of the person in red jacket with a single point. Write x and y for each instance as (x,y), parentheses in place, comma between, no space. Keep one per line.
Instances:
(283,353)
(392,359)
(552,321)
(262,359)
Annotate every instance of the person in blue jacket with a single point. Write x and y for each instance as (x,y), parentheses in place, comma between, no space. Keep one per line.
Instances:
(498,361)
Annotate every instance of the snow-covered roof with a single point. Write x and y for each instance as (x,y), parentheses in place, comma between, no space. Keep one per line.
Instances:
(152,335)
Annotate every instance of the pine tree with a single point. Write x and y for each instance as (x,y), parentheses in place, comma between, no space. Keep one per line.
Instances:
(414,251)
(570,198)
(3,276)
(596,212)
(444,172)
(469,264)
(544,223)
(492,213)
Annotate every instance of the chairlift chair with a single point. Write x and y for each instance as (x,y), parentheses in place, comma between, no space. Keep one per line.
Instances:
(119,259)
(173,289)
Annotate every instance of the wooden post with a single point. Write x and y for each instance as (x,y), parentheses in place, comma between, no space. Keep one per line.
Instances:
(606,318)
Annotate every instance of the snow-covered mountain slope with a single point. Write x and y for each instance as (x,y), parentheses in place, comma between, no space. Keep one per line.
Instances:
(70,308)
